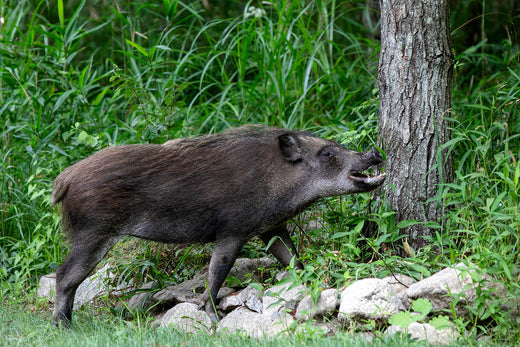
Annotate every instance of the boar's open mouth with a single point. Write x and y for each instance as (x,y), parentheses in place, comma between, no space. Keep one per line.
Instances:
(360,178)
(367,160)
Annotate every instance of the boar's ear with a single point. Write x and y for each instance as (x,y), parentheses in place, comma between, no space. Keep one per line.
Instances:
(290,148)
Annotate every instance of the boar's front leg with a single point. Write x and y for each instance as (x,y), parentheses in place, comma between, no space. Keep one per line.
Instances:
(224,256)
(282,248)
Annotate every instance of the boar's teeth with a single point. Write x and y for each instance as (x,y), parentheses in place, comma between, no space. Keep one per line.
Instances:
(367,179)
(358,176)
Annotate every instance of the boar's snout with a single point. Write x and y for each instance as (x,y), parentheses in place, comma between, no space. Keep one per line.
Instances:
(373,157)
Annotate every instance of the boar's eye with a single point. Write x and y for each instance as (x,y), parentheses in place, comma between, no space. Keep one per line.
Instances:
(325,153)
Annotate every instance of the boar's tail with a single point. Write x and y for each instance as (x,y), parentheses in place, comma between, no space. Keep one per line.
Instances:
(61,188)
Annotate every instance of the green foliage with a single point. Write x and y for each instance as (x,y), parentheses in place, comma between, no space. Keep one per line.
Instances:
(169,71)
(420,309)
(78,76)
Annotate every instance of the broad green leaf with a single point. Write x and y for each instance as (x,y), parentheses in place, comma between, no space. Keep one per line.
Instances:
(422,306)
(440,322)
(402,319)
(82,136)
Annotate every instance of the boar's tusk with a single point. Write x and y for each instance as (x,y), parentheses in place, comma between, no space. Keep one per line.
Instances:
(360,177)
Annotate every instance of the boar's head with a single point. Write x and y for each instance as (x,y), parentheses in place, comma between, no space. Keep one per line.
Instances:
(329,169)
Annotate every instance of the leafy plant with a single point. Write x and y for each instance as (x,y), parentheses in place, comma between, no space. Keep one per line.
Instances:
(421,308)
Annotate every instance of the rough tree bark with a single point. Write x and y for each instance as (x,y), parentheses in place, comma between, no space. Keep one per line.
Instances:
(414,81)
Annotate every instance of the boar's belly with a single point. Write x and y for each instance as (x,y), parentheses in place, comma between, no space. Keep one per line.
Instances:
(176,231)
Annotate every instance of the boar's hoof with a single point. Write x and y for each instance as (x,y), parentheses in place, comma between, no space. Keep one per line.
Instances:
(62,323)
(213,317)
(210,311)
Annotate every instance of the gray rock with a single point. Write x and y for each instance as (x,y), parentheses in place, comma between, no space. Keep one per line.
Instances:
(191,290)
(424,331)
(248,297)
(230,302)
(187,318)
(224,291)
(187,291)
(97,285)
(143,301)
(255,304)
(327,303)
(47,287)
(243,320)
(282,324)
(281,275)
(437,288)
(369,298)
(282,297)
(399,283)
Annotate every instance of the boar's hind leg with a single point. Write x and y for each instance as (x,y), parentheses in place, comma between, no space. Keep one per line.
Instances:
(282,248)
(224,256)
(83,257)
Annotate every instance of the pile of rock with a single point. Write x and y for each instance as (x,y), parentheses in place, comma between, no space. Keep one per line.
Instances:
(288,306)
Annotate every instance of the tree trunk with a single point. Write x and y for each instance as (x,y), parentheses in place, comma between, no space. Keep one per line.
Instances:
(414,81)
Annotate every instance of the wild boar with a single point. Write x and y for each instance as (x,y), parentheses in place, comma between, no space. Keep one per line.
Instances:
(225,188)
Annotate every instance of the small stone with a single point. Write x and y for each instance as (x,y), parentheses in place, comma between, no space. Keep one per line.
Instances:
(243,320)
(369,298)
(187,318)
(327,304)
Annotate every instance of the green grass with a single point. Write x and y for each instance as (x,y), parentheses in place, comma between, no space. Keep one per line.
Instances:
(97,327)
(77,76)
(32,327)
